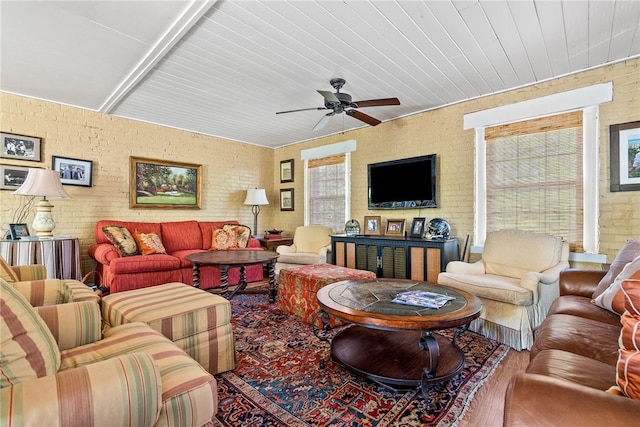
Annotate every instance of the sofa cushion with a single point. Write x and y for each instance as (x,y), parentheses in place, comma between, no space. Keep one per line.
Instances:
(513,253)
(122,239)
(497,288)
(612,298)
(242,232)
(207,227)
(181,235)
(628,253)
(312,238)
(628,373)
(223,239)
(148,243)
(29,350)
(6,272)
(301,258)
(144,227)
(141,264)
(582,307)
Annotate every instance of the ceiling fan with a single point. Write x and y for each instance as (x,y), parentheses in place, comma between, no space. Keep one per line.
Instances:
(340,102)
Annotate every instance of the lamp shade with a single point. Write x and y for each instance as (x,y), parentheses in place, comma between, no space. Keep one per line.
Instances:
(42,182)
(255,196)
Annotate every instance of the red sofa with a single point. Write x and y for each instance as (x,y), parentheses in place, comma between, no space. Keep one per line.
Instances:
(179,239)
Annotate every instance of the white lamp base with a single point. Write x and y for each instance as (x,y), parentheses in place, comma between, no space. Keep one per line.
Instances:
(43,223)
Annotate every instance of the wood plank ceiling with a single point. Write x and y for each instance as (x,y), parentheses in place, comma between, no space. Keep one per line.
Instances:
(224,68)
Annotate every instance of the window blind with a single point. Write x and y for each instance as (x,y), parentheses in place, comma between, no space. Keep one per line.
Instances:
(327,191)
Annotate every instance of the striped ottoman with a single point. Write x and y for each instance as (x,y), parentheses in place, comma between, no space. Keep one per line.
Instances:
(298,287)
(196,321)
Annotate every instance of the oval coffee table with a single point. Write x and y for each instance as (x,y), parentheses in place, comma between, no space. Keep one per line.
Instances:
(392,343)
(235,258)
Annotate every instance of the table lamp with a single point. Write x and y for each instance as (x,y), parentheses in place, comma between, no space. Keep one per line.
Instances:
(44,183)
(256,197)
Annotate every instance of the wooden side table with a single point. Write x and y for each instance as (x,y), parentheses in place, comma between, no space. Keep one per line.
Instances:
(60,255)
(272,244)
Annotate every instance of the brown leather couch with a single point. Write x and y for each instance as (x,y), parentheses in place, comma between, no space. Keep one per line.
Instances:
(573,363)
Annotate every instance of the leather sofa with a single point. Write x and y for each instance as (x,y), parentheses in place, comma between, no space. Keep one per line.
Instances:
(180,238)
(573,364)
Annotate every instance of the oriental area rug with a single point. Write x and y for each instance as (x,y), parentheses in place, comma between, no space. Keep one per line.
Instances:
(279,381)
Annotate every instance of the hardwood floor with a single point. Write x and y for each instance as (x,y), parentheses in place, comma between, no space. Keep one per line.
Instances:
(487,406)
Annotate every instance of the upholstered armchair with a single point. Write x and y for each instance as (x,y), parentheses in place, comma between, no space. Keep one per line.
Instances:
(59,369)
(516,280)
(311,243)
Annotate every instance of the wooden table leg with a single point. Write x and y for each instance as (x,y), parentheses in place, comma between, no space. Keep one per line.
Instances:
(273,289)
(224,280)
(196,275)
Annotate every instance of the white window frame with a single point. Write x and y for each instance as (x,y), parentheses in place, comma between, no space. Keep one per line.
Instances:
(344,147)
(587,99)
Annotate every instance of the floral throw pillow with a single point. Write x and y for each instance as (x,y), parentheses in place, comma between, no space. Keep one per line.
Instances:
(149,243)
(242,232)
(121,239)
(223,239)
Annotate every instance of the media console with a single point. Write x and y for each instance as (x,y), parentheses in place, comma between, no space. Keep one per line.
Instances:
(395,257)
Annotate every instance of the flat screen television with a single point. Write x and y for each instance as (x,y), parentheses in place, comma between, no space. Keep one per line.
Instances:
(403,184)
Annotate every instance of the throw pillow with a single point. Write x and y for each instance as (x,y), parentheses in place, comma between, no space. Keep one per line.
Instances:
(628,253)
(148,243)
(612,298)
(121,239)
(242,232)
(223,239)
(29,350)
(628,367)
(6,272)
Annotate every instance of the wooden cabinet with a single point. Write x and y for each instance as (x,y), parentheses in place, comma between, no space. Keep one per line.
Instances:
(395,257)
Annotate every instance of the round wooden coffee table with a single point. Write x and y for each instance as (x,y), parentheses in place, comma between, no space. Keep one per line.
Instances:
(393,343)
(235,258)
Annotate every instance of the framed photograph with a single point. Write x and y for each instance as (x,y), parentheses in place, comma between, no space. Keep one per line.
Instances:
(624,155)
(286,170)
(372,226)
(20,147)
(160,184)
(286,199)
(395,227)
(18,231)
(73,171)
(12,176)
(417,227)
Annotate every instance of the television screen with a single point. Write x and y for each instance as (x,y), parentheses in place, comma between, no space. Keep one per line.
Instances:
(403,184)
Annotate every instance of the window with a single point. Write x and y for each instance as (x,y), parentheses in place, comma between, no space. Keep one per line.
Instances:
(534,177)
(326,201)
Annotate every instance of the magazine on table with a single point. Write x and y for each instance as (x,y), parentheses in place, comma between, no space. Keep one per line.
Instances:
(422,299)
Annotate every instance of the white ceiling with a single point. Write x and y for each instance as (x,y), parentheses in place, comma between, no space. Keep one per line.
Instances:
(224,68)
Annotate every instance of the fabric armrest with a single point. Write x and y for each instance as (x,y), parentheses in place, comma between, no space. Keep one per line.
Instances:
(73,324)
(461,267)
(43,292)
(580,282)
(81,292)
(284,249)
(103,252)
(30,272)
(538,400)
(124,390)
(254,243)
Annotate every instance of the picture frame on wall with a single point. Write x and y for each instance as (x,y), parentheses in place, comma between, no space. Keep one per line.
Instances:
(286,170)
(12,176)
(286,199)
(20,147)
(395,227)
(73,171)
(161,184)
(18,231)
(624,152)
(372,226)
(418,227)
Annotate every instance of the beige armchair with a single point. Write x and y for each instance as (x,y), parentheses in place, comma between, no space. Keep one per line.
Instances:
(516,280)
(311,244)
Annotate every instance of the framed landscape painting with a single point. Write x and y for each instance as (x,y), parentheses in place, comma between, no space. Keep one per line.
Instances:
(160,184)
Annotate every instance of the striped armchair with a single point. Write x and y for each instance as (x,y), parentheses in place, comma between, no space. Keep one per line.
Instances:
(57,368)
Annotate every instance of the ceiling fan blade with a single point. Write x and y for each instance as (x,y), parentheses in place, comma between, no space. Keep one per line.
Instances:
(323,121)
(377,102)
(302,109)
(329,96)
(363,117)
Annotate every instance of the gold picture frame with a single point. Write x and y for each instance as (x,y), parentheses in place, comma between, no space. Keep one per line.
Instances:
(395,227)
(372,226)
(160,184)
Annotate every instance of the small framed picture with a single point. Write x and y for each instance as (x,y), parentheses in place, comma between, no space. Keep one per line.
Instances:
(18,231)
(395,227)
(372,226)
(20,147)
(286,170)
(73,171)
(417,227)
(286,199)
(624,153)
(12,176)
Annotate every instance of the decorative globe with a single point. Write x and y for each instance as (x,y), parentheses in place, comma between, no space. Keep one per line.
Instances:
(438,228)
(352,227)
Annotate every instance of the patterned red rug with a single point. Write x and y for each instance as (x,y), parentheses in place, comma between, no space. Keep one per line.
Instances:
(278,380)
